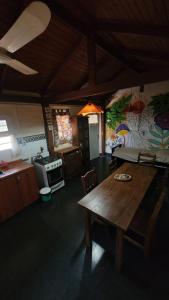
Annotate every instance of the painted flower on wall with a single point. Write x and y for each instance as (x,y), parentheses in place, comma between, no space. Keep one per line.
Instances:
(137,107)
(160,138)
(122,129)
(138,123)
(162,120)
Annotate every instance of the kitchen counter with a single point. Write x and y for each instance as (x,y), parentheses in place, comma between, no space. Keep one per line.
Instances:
(18,188)
(67,150)
(14,167)
(72,161)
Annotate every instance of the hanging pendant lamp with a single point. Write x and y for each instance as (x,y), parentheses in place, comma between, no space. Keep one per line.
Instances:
(90,108)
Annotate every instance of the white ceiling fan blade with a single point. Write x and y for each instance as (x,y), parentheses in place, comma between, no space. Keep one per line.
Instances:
(17,65)
(31,23)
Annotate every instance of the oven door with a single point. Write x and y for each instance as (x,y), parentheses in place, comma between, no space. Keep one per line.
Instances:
(54,176)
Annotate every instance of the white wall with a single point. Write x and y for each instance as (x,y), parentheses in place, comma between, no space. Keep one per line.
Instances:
(141,126)
(149,90)
(23,120)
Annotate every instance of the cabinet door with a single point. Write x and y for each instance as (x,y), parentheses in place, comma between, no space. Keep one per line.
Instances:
(73,163)
(10,200)
(84,138)
(28,186)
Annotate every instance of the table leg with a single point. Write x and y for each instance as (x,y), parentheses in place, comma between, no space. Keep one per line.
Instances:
(88,228)
(119,249)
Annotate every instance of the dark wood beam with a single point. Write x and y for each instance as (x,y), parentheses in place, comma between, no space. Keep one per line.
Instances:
(69,15)
(3,77)
(152,54)
(116,52)
(132,28)
(110,86)
(100,66)
(117,73)
(56,71)
(91,47)
(19,98)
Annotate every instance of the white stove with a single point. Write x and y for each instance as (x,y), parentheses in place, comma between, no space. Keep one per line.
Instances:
(50,172)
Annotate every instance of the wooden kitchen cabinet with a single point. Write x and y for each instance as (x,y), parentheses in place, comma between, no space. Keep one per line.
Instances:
(10,200)
(28,186)
(18,189)
(72,161)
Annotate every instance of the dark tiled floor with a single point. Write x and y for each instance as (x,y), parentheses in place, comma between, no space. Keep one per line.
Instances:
(42,255)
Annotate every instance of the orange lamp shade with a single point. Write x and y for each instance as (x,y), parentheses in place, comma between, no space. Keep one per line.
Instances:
(90,108)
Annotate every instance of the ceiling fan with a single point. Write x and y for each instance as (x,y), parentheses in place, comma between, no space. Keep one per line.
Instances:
(31,23)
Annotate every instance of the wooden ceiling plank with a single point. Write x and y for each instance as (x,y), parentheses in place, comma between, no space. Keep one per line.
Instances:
(157,55)
(61,65)
(117,73)
(132,28)
(84,80)
(66,14)
(91,47)
(111,86)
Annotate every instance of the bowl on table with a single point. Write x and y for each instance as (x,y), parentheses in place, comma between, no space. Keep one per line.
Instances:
(122,177)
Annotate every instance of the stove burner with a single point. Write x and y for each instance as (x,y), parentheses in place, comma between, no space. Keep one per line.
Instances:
(46,160)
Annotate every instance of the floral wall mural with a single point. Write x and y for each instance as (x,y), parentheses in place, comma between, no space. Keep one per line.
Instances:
(137,121)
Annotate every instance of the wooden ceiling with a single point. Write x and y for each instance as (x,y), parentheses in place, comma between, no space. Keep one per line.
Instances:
(130,39)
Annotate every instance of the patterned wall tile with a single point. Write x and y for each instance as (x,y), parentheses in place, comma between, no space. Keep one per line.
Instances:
(30,139)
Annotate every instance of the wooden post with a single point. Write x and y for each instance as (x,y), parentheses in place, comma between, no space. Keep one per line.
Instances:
(48,133)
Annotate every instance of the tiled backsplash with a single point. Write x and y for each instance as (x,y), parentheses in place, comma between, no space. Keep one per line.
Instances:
(26,126)
(29,139)
(30,146)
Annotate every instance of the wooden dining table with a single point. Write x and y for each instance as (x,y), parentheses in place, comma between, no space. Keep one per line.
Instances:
(116,202)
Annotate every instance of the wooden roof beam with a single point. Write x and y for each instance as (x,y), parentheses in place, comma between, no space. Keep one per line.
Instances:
(152,54)
(56,71)
(68,15)
(131,28)
(84,81)
(91,47)
(155,55)
(19,98)
(111,86)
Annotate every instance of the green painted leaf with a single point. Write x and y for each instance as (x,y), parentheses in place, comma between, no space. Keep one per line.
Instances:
(155,134)
(115,115)
(165,133)
(154,148)
(154,142)
(159,129)
(160,103)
